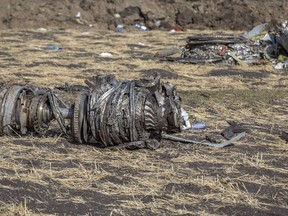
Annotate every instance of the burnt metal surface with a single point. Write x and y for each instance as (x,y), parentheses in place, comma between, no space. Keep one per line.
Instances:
(261,43)
(219,48)
(114,114)
(110,112)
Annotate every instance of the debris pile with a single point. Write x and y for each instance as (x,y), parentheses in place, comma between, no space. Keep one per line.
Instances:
(111,113)
(254,47)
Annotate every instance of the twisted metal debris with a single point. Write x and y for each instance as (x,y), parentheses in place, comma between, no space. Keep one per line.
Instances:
(261,43)
(115,114)
(130,113)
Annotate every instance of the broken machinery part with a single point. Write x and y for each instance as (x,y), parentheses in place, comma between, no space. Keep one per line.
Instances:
(110,112)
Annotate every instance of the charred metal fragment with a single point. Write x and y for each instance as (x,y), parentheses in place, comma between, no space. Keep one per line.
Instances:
(258,46)
(220,48)
(236,128)
(114,113)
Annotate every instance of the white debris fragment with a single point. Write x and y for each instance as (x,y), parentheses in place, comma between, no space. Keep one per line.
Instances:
(280,65)
(42,29)
(120,26)
(268,37)
(144,28)
(255,31)
(187,124)
(78,15)
(105,55)
(117,15)
(158,23)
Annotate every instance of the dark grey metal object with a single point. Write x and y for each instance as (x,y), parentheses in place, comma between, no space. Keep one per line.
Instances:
(114,113)
(220,48)
(246,49)
(236,128)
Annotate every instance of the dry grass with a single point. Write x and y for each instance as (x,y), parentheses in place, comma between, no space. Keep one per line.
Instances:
(52,176)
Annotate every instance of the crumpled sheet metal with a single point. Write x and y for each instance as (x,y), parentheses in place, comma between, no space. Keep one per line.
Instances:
(115,114)
(131,113)
(220,49)
(250,48)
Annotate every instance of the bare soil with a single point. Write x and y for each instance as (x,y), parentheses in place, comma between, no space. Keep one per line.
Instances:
(196,14)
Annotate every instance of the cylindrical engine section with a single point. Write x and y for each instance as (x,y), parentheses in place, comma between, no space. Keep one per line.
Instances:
(117,117)
(113,112)
(128,113)
(162,112)
(14,109)
(40,114)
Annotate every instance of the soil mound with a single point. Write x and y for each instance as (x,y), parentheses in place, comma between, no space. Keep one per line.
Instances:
(213,14)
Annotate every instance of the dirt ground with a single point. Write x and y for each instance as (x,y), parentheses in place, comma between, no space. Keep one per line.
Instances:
(190,14)
(50,176)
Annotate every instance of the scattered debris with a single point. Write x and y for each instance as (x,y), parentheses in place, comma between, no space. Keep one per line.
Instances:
(198,126)
(79,20)
(53,47)
(281,65)
(255,31)
(117,15)
(216,145)
(141,44)
(106,55)
(121,114)
(186,123)
(141,27)
(242,127)
(130,113)
(42,29)
(254,47)
(78,15)
(120,28)
(157,23)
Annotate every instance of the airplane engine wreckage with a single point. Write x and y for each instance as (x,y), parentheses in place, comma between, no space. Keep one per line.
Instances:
(111,112)
(125,114)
